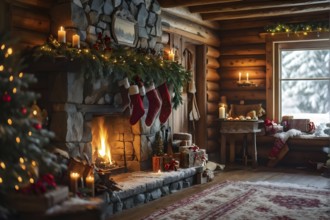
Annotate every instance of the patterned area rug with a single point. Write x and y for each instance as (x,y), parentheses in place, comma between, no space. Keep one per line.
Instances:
(248,200)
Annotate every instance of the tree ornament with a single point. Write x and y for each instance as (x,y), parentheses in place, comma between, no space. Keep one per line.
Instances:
(37,126)
(24,110)
(6,97)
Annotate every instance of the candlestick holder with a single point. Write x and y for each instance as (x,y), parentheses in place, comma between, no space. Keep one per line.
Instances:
(245,83)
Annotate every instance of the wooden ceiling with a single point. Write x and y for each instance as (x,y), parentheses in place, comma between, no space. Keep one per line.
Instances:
(235,10)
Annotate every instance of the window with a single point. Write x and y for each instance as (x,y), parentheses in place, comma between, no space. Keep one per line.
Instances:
(304,80)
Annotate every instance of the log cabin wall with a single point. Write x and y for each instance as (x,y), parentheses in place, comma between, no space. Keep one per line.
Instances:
(243,50)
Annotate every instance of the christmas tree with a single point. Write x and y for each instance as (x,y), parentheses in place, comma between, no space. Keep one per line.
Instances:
(24,154)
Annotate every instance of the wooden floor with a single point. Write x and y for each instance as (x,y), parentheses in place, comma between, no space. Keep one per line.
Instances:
(234,173)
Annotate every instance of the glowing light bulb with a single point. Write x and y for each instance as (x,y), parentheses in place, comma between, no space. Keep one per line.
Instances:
(3,47)
(31,180)
(3,165)
(34,163)
(1,180)
(30,133)
(17,187)
(18,140)
(19,179)
(21,74)
(11,78)
(10,51)
(14,90)
(9,121)
(2,68)
(21,160)
(34,112)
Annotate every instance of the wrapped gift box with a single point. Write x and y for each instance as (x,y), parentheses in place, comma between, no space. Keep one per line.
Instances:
(191,158)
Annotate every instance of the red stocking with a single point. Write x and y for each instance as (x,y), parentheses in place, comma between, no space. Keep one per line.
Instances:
(166,109)
(154,104)
(137,105)
(278,145)
(123,88)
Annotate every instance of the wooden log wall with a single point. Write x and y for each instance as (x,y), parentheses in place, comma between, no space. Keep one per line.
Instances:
(29,21)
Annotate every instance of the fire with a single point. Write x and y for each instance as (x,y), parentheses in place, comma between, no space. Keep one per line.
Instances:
(100,140)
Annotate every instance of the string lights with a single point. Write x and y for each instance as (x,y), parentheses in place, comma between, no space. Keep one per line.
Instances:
(301,28)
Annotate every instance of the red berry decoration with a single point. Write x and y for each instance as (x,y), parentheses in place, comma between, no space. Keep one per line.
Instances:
(23,110)
(37,126)
(6,98)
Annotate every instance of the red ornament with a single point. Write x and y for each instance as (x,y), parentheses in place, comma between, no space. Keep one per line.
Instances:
(23,110)
(37,126)
(6,98)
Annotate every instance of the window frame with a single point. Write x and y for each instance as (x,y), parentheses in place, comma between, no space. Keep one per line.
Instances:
(272,64)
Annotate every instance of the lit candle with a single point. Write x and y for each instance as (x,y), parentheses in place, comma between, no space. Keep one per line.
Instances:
(247,77)
(74,182)
(61,35)
(171,55)
(239,76)
(222,112)
(76,41)
(90,184)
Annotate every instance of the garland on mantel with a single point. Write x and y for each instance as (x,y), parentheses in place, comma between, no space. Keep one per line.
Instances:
(304,28)
(116,63)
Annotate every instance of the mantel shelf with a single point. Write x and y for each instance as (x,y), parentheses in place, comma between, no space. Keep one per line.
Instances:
(101,109)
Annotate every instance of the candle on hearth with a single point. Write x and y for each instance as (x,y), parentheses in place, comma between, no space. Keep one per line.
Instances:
(239,76)
(171,56)
(74,182)
(90,184)
(222,112)
(61,35)
(76,41)
(247,77)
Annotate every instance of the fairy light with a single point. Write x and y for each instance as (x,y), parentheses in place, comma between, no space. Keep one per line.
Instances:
(21,160)
(23,167)
(34,163)
(9,121)
(20,74)
(31,180)
(3,47)
(18,140)
(11,78)
(19,178)
(30,133)
(9,51)
(1,180)
(14,90)
(35,112)
(1,68)
(3,165)
(17,187)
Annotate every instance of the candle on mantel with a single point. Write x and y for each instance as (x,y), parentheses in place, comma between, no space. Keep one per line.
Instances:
(76,41)
(61,35)
(74,182)
(222,112)
(239,76)
(171,56)
(247,77)
(90,184)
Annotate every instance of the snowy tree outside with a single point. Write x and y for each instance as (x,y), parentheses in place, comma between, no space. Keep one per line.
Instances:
(305,84)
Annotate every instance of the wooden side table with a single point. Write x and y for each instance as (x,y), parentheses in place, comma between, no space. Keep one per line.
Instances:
(232,127)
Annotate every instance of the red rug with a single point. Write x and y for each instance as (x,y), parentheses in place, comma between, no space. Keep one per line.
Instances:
(248,200)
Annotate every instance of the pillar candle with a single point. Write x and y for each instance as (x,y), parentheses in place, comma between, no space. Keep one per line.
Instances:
(61,35)
(76,41)
(90,184)
(74,182)
(171,56)
(222,112)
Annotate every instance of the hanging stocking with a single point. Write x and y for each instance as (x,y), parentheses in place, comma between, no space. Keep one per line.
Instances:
(137,105)
(123,88)
(278,145)
(166,109)
(139,82)
(154,104)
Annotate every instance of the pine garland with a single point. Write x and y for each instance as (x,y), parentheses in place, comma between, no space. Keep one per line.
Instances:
(116,63)
(296,28)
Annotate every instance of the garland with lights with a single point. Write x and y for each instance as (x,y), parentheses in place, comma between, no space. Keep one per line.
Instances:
(24,153)
(117,62)
(298,28)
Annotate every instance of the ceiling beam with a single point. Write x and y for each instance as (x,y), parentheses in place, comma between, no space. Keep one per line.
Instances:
(185,3)
(265,13)
(251,5)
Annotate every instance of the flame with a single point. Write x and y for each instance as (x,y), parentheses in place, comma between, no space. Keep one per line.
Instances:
(100,140)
